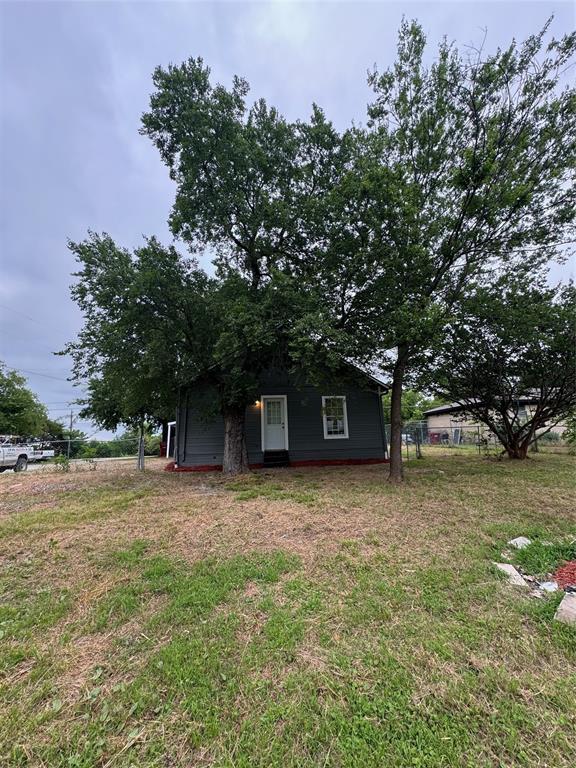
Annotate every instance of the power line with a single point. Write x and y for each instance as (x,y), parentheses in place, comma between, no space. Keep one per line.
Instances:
(36,373)
(17,312)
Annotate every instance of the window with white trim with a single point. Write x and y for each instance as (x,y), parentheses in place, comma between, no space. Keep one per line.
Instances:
(335,417)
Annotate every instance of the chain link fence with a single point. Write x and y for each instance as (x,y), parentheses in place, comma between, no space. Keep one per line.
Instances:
(470,438)
(78,454)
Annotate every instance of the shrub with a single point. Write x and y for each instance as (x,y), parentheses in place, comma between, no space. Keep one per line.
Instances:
(62,463)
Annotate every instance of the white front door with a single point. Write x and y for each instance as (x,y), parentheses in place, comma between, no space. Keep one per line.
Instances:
(274,424)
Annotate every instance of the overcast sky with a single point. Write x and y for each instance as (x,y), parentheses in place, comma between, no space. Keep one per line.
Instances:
(75,78)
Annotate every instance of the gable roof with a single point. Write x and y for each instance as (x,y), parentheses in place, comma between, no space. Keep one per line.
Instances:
(459,408)
(374,375)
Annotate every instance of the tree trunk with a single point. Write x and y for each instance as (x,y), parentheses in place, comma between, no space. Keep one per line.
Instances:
(141,446)
(396,474)
(235,459)
(517,450)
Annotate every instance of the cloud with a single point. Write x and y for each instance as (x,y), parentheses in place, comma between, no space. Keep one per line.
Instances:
(281,21)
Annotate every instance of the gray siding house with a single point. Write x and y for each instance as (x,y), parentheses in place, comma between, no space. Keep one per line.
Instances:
(290,424)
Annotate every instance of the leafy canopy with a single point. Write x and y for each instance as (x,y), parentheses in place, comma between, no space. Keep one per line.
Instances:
(467,164)
(20,411)
(155,321)
(414,405)
(249,183)
(507,343)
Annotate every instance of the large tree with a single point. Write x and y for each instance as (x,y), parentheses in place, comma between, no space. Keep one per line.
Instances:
(249,184)
(467,163)
(508,356)
(155,323)
(21,413)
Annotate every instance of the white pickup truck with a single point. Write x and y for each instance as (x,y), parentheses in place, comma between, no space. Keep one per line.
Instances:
(17,455)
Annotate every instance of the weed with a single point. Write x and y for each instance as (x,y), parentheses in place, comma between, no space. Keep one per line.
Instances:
(541,557)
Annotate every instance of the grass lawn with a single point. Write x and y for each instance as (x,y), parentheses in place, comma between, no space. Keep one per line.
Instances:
(310,617)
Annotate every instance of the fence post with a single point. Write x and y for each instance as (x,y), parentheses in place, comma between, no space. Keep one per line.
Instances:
(70,434)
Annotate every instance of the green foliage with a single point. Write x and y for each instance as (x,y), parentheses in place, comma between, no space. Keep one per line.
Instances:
(549,438)
(124,348)
(466,166)
(184,328)
(54,430)
(248,181)
(414,404)
(327,245)
(20,411)
(62,463)
(505,344)
(249,186)
(569,433)
(540,558)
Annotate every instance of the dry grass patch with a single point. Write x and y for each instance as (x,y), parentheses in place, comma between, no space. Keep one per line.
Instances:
(313,617)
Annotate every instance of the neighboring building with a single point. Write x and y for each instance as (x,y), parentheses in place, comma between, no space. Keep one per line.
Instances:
(450,423)
(291,423)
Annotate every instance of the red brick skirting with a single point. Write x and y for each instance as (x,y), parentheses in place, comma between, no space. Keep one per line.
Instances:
(307,463)
(335,462)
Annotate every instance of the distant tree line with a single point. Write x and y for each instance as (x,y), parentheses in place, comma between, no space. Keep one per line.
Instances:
(23,415)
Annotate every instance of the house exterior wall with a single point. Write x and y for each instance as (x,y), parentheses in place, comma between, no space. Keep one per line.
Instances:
(200,440)
(447,421)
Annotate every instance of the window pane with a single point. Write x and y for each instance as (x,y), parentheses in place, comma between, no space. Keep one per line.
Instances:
(273,412)
(334,406)
(334,416)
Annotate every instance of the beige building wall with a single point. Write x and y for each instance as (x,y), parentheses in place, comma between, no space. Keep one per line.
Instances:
(446,422)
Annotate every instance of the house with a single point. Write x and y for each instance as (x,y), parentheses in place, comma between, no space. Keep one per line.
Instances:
(291,423)
(451,424)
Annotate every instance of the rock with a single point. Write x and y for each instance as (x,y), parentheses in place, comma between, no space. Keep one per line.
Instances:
(537,593)
(566,612)
(520,542)
(549,586)
(513,575)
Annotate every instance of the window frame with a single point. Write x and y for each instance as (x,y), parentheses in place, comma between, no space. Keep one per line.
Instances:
(346,434)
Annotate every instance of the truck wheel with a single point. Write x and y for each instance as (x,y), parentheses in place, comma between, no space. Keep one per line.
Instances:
(3,469)
(21,464)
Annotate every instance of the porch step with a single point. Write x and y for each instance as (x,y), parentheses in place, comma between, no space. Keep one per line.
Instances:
(276,459)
